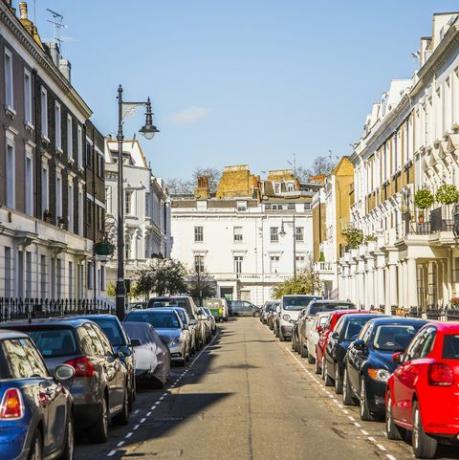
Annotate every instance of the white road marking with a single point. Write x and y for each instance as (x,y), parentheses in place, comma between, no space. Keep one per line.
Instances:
(136,411)
(381,447)
(390,457)
(129,435)
(143,420)
(365,433)
(148,414)
(111,453)
(120,444)
(136,427)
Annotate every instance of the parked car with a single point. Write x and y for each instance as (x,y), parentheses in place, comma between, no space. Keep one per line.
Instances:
(324,334)
(290,307)
(295,332)
(213,323)
(317,306)
(271,317)
(112,328)
(195,325)
(208,321)
(152,355)
(191,338)
(170,328)
(267,308)
(319,322)
(347,330)
(36,409)
(421,394)
(218,307)
(242,308)
(100,386)
(368,363)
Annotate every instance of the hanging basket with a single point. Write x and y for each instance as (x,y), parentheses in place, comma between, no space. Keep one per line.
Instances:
(104,248)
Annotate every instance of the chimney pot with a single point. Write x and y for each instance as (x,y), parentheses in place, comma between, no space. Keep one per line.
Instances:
(23,10)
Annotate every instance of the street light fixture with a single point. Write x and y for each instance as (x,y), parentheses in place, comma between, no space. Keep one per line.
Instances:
(148,131)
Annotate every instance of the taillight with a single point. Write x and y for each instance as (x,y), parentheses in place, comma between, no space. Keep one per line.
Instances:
(11,407)
(440,375)
(83,367)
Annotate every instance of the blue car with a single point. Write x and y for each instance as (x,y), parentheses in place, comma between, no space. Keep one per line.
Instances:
(35,408)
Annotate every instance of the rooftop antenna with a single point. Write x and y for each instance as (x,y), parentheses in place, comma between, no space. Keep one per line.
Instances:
(293,163)
(58,22)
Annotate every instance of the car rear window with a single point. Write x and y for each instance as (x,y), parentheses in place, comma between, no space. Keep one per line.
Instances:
(296,302)
(54,343)
(353,328)
(111,329)
(322,307)
(451,347)
(158,319)
(393,337)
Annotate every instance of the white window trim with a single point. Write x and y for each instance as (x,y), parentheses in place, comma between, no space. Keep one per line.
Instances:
(44,115)
(44,196)
(9,104)
(28,110)
(70,205)
(10,143)
(58,126)
(59,195)
(29,184)
(80,146)
(70,138)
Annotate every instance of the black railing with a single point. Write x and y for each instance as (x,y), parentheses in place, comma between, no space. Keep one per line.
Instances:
(19,308)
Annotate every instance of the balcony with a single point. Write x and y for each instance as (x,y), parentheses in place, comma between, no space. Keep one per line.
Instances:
(439,228)
(324,267)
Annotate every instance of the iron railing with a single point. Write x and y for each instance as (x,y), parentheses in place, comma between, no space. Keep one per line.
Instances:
(30,308)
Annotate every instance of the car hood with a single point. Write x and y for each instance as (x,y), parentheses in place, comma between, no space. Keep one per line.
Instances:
(382,360)
(168,334)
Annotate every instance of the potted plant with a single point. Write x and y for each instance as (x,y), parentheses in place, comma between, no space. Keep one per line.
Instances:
(455,302)
(354,237)
(423,199)
(447,194)
(104,248)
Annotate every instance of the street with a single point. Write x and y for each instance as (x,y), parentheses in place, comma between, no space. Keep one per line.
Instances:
(247,397)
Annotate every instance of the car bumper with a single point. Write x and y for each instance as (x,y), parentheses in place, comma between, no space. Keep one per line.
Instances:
(376,396)
(287,331)
(15,442)
(177,353)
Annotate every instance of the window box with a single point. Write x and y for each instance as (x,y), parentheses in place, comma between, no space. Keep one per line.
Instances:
(104,248)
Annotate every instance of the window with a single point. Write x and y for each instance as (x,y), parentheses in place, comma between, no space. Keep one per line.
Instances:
(58,196)
(8,277)
(44,112)
(238,264)
(80,146)
(198,234)
(128,202)
(198,263)
(23,359)
(108,199)
(58,126)
(277,189)
(274,234)
(28,280)
(70,281)
(88,154)
(28,184)
(59,278)
(10,177)
(20,273)
(299,233)
(290,187)
(300,261)
(69,137)
(43,275)
(27,97)
(274,264)
(9,88)
(147,204)
(80,212)
(102,278)
(45,188)
(237,234)
(70,205)
(90,272)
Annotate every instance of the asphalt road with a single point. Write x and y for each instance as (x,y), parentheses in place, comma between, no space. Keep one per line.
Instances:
(247,396)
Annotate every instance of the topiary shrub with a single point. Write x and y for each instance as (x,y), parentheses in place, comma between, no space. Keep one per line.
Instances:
(423,198)
(447,194)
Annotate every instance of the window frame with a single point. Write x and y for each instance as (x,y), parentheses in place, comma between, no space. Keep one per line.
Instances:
(28,98)
(44,113)
(9,79)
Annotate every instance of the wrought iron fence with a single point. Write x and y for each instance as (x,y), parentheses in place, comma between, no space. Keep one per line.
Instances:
(28,308)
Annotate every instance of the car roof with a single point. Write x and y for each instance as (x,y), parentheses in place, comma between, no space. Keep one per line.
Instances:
(344,312)
(66,321)
(397,320)
(449,327)
(331,302)
(6,334)
(155,310)
(363,315)
(323,313)
(99,315)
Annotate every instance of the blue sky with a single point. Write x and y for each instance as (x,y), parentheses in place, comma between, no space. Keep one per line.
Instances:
(238,81)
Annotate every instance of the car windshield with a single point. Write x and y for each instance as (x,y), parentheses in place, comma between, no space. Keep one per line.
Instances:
(451,347)
(296,302)
(54,343)
(158,319)
(353,328)
(111,329)
(320,307)
(393,337)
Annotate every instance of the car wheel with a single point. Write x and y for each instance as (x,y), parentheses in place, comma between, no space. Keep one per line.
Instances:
(365,413)
(392,430)
(322,368)
(98,433)
(69,447)
(338,381)
(304,352)
(123,417)
(424,446)
(317,368)
(37,447)
(281,335)
(293,344)
(348,399)
(311,359)
(327,378)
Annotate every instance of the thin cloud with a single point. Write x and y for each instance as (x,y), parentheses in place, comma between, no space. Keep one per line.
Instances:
(190,115)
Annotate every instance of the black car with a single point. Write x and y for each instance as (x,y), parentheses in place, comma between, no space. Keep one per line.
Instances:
(242,308)
(121,343)
(347,329)
(368,363)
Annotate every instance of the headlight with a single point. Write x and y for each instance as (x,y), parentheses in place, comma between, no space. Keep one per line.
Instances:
(174,342)
(380,375)
(286,317)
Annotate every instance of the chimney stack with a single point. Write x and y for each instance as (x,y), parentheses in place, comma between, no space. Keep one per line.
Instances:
(66,68)
(23,10)
(202,191)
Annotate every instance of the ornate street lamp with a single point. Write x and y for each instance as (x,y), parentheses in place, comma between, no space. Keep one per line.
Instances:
(148,131)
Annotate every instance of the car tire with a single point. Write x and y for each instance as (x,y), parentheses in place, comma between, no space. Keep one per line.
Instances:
(123,417)
(317,368)
(424,446)
(348,399)
(37,447)
(304,351)
(98,433)
(365,413)
(69,447)
(338,381)
(327,379)
(293,345)
(311,359)
(281,335)
(392,430)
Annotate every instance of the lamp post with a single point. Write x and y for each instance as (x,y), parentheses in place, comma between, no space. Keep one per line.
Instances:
(283,233)
(148,131)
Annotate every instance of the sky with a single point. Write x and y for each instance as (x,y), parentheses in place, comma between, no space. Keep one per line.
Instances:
(243,81)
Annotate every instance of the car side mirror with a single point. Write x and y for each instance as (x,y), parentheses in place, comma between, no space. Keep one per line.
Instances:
(359,344)
(135,342)
(398,357)
(64,373)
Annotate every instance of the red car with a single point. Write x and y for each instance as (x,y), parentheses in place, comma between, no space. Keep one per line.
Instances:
(323,340)
(422,394)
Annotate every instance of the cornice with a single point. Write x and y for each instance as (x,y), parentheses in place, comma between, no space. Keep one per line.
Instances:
(15,27)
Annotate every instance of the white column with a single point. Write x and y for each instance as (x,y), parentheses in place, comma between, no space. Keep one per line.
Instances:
(393,298)
(370,288)
(411,283)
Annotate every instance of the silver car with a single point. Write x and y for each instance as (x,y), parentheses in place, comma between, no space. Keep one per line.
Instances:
(170,328)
